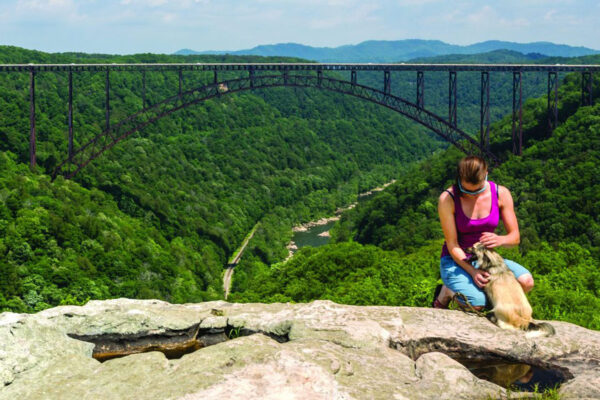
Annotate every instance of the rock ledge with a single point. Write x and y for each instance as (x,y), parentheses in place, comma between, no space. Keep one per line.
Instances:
(319,350)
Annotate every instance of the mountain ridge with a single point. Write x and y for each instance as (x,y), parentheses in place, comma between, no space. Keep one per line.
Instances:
(398,50)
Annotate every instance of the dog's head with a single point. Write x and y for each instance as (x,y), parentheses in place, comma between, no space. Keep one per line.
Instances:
(480,254)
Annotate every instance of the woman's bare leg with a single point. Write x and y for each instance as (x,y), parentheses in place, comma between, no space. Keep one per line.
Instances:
(526,281)
(445,295)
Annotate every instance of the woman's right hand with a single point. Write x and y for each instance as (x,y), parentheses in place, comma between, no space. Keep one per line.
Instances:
(481,278)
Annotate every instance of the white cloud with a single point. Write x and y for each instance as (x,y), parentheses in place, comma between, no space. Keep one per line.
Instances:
(482,16)
(171,4)
(360,14)
(44,5)
(417,2)
(549,16)
(56,10)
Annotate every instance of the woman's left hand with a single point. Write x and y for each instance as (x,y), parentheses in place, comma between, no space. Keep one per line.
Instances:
(491,240)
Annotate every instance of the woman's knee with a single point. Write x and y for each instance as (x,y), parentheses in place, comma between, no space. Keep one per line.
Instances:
(526,282)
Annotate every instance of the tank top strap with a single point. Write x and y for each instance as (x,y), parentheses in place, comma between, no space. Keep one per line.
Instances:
(495,196)
(450,193)
(457,206)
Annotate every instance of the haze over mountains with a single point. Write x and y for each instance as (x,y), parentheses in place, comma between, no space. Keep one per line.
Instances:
(399,50)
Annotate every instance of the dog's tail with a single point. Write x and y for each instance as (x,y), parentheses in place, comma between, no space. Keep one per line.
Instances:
(540,329)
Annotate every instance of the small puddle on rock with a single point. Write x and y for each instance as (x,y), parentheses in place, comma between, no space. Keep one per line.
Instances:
(505,371)
(516,376)
(172,343)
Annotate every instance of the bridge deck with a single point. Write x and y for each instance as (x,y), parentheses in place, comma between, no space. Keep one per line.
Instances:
(302,67)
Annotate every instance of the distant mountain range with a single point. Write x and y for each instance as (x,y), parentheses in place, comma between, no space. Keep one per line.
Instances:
(400,50)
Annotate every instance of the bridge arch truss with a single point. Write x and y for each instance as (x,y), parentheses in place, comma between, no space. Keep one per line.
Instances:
(266,75)
(92,149)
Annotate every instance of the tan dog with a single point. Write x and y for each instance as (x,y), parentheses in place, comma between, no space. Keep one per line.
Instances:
(510,305)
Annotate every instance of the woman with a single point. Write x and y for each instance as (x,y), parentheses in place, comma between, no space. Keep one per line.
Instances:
(469,212)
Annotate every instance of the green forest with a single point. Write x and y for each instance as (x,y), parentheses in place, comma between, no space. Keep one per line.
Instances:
(386,251)
(159,215)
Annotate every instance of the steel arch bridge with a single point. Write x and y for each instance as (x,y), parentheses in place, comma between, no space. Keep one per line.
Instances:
(135,122)
(286,75)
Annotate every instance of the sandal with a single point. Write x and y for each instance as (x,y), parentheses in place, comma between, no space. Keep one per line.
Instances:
(436,303)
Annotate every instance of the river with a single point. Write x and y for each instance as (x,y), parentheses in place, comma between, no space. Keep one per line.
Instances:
(316,233)
(314,236)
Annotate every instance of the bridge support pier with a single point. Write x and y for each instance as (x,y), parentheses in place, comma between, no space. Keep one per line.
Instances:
(387,83)
(70,117)
(320,77)
(107,101)
(420,89)
(180,82)
(452,118)
(251,77)
(517,114)
(32,119)
(353,77)
(484,126)
(586,89)
(552,100)
(215,77)
(143,89)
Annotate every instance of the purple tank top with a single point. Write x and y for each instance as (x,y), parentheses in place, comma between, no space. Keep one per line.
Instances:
(469,230)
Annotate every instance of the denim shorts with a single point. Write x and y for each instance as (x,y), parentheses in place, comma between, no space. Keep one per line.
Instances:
(458,280)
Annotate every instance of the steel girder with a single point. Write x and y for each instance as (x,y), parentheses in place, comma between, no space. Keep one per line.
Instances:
(484,130)
(420,89)
(107,100)
(263,67)
(452,115)
(517,114)
(70,115)
(586,89)
(387,82)
(552,100)
(135,122)
(32,147)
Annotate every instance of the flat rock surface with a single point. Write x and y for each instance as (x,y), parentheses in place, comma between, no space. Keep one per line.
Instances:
(319,350)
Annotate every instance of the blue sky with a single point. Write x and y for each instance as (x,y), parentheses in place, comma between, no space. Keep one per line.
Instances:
(165,26)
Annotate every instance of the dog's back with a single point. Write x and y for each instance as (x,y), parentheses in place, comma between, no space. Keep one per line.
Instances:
(511,307)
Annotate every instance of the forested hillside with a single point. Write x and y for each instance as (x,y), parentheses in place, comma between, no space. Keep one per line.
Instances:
(159,214)
(64,244)
(387,249)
